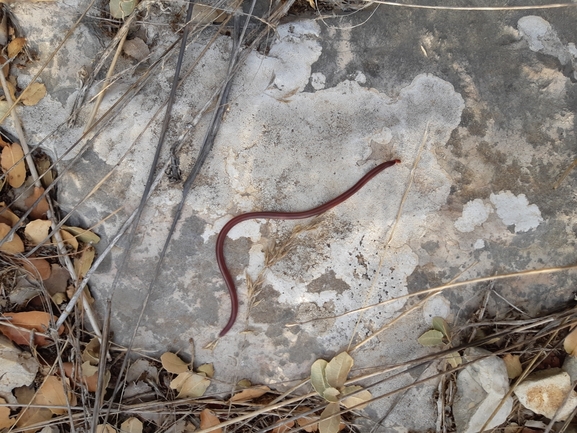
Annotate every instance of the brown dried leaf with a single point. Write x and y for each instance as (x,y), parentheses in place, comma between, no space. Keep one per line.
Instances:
(5,420)
(41,209)
(570,342)
(69,239)
(190,385)
(15,47)
(13,160)
(209,419)
(37,320)
(11,90)
(37,267)
(83,263)
(131,425)
(204,14)
(58,281)
(43,165)
(173,364)
(136,48)
(7,216)
(105,428)
(91,382)
(513,365)
(12,246)
(37,231)
(250,393)
(6,68)
(31,416)
(91,352)
(207,369)
(311,423)
(52,393)
(33,94)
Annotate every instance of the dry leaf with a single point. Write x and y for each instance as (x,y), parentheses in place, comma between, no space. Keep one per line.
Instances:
(136,48)
(105,428)
(33,94)
(83,263)
(83,235)
(41,209)
(330,419)
(51,393)
(250,393)
(33,415)
(59,298)
(318,376)
(207,369)
(12,246)
(37,231)
(11,89)
(37,320)
(91,352)
(37,268)
(308,423)
(6,68)
(15,46)
(13,160)
(190,385)
(357,399)
(131,425)
(91,382)
(570,342)
(204,14)
(43,166)
(283,428)
(58,281)
(173,364)
(5,420)
(513,365)
(7,216)
(69,239)
(209,419)
(338,369)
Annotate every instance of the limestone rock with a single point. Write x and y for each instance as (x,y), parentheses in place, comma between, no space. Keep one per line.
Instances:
(544,392)
(480,388)
(17,368)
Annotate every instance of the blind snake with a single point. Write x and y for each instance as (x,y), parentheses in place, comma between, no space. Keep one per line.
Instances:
(283,216)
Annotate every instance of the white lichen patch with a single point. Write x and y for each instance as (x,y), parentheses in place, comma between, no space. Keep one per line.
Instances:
(516,210)
(542,38)
(318,80)
(474,214)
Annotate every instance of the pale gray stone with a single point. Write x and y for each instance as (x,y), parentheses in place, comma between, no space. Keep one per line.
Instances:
(480,388)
